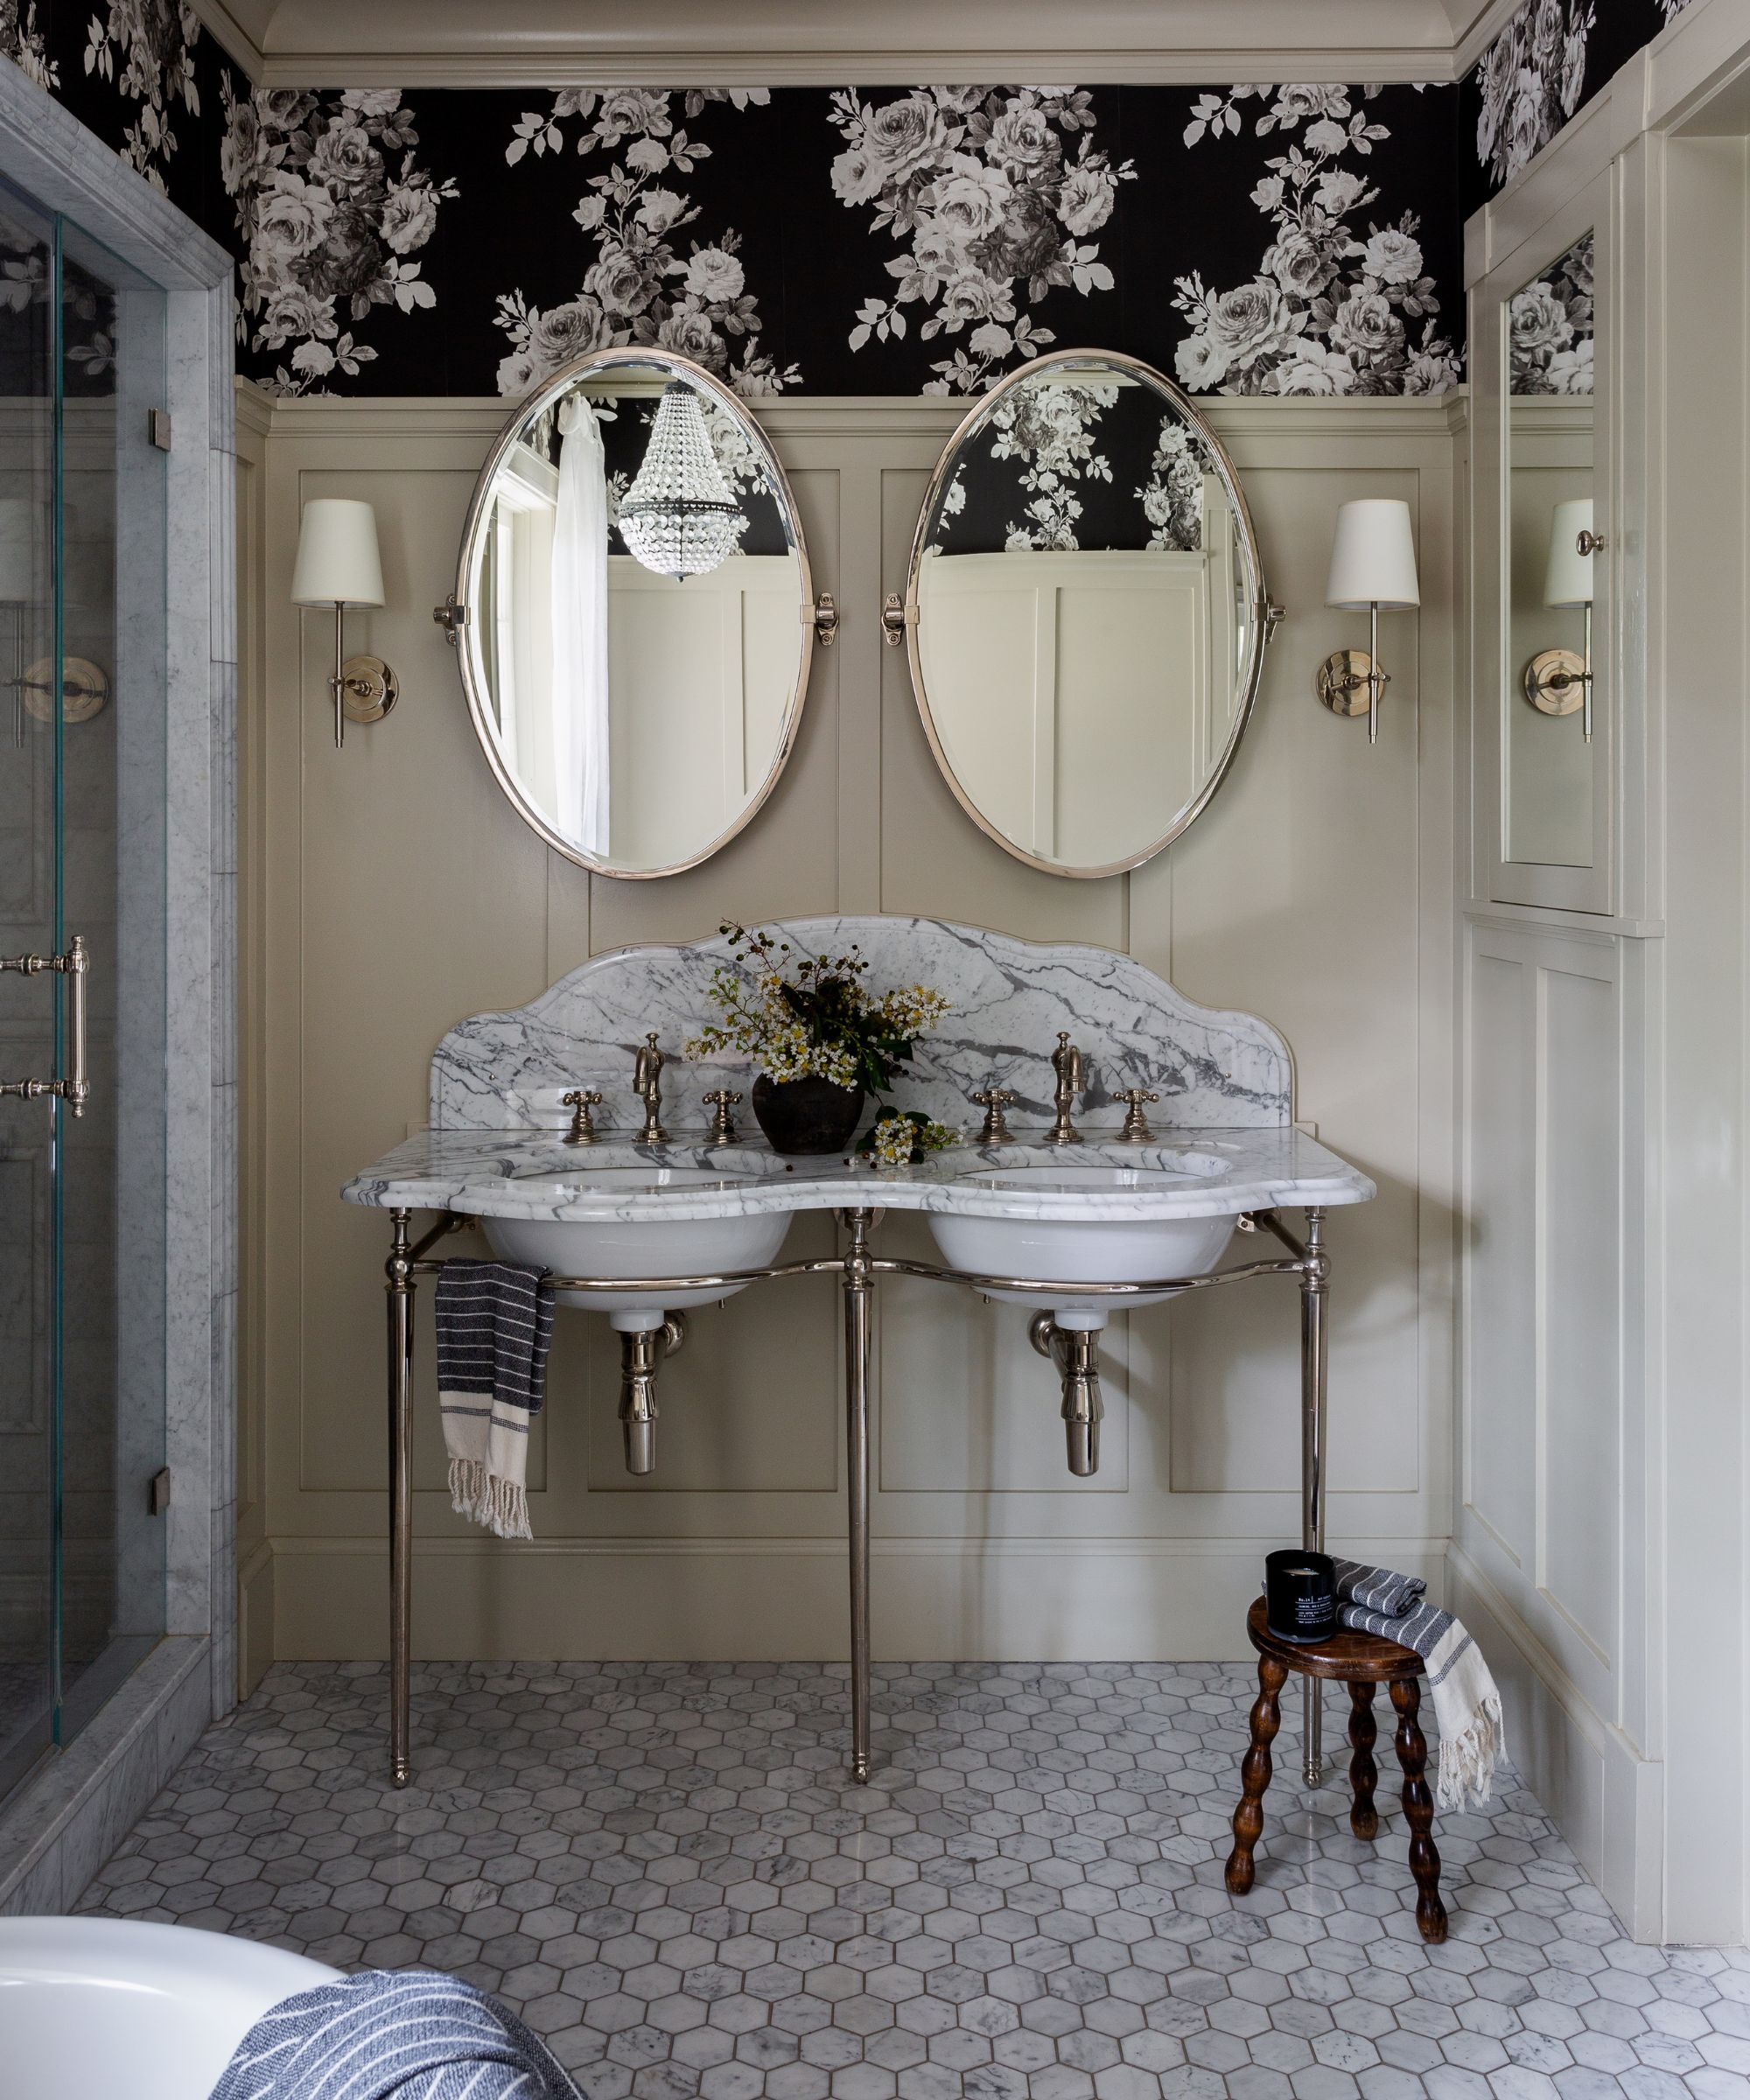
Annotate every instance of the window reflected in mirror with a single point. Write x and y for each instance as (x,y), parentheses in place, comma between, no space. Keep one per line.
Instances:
(1087,629)
(635,644)
(1548,708)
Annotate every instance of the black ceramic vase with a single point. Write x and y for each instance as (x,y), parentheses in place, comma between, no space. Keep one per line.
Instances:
(806,1115)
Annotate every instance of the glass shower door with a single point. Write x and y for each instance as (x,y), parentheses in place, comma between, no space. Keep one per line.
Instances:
(82,812)
(29,890)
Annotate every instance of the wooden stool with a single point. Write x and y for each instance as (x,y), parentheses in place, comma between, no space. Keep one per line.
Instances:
(1361,1661)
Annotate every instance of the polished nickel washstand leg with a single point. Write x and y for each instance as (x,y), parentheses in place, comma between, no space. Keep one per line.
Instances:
(1075,1351)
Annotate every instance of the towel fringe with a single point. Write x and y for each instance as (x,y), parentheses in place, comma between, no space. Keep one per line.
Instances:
(1467,1761)
(486,1498)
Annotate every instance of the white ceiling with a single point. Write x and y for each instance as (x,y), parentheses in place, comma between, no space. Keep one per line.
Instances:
(728,43)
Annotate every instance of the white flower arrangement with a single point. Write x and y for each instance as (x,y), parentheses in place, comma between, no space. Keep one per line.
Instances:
(904,1138)
(812,1017)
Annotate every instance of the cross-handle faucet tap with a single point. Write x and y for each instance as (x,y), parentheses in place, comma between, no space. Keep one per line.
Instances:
(580,1101)
(994,1101)
(722,1102)
(1135,1129)
(646,1083)
(1072,1078)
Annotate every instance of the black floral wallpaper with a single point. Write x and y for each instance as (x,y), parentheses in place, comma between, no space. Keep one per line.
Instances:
(1252,240)
(1552,57)
(1074,465)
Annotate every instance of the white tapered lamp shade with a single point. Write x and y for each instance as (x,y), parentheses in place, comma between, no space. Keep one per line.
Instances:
(1373,557)
(1567,581)
(338,562)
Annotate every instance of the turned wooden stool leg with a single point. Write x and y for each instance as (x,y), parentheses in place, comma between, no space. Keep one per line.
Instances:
(1363,1774)
(1255,1774)
(1418,1810)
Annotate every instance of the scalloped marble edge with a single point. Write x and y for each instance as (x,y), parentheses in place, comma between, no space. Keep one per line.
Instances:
(1213,1069)
(510,1174)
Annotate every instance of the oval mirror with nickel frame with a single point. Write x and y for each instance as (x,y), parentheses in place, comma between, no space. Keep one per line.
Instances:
(634,614)
(1085,613)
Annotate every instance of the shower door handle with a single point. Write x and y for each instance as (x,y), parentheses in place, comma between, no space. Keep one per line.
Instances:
(75,965)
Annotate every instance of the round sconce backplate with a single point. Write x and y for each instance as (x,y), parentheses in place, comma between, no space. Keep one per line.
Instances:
(370,688)
(84,689)
(1555,681)
(1343,679)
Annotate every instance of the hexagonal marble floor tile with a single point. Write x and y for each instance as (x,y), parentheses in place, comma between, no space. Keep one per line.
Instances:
(663,1869)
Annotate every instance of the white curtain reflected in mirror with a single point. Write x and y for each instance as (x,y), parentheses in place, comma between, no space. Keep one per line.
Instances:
(1548,760)
(637,638)
(1088,614)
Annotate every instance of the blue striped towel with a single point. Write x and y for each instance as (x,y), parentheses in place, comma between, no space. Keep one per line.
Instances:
(410,2035)
(1466,1700)
(494,1326)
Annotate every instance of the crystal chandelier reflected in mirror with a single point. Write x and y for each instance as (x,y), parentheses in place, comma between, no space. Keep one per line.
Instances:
(680,518)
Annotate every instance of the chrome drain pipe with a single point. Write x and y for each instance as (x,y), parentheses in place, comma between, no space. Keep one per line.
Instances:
(1075,1351)
(642,1352)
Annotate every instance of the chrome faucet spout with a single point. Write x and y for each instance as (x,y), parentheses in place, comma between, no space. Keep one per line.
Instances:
(1072,1078)
(646,1083)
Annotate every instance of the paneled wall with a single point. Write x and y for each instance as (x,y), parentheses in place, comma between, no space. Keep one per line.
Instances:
(397,892)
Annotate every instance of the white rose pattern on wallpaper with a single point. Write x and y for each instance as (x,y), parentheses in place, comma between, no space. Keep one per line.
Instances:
(147,48)
(641,287)
(1172,496)
(1052,432)
(22,40)
(331,205)
(1332,308)
(1531,79)
(994,208)
(1549,330)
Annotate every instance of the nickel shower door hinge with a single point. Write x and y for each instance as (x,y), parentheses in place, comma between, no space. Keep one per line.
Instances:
(160,1491)
(157,428)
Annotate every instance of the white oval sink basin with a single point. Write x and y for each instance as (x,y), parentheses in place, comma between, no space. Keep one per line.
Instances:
(1083,1249)
(591,1240)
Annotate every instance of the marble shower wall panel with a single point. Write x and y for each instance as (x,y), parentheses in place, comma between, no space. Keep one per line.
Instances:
(406,894)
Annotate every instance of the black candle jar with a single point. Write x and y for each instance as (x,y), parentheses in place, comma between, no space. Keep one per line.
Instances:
(1300,1594)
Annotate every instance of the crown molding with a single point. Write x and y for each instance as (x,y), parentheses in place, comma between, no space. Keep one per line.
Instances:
(831,42)
(1488,19)
(216,19)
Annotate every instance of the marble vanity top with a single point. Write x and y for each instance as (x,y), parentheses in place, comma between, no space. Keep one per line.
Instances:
(1223,1082)
(1196,1174)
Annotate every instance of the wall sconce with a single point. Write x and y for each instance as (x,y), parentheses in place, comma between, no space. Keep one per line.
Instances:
(1373,567)
(338,565)
(1557,681)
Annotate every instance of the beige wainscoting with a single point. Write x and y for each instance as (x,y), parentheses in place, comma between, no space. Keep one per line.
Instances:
(392,890)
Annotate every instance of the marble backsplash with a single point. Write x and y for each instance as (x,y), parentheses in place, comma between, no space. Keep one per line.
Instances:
(1008,997)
